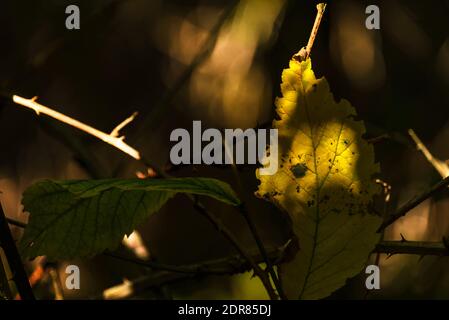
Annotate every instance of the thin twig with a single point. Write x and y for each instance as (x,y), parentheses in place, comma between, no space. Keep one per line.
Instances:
(439,165)
(387,196)
(250,261)
(321,7)
(124,123)
(263,251)
(237,264)
(221,228)
(16,223)
(197,205)
(117,142)
(233,240)
(380,138)
(228,265)
(421,248)
(15,262)
(160,276)
(402,211)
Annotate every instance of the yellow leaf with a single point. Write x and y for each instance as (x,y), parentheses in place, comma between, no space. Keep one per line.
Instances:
(324,183)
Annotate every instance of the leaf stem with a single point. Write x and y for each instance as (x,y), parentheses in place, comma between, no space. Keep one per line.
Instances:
(229,265)
(263,251)
(304,53)
(440,166)
(237,264)
(233,240)
(321,7)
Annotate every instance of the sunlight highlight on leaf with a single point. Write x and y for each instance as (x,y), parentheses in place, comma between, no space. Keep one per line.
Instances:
(324,184)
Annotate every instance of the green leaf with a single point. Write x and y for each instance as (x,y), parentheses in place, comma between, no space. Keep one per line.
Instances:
(71,219)
(325,184)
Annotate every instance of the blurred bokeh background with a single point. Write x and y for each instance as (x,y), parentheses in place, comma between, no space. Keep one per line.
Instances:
(220,62)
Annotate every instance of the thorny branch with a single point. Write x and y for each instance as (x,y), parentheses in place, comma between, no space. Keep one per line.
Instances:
(236,264)
(390,247)
(246,215)
(421,248)
(305,52)
(402,211)
(231,265)
(110,138)
(233,240)
(15,263)
(164,273)
(439,165)
(161,275)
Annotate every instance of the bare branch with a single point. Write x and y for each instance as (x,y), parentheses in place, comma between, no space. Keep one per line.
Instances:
(117,142)
(414,203)
(237,264)
(439,165)
(240,249)
(304,53)
(421,248)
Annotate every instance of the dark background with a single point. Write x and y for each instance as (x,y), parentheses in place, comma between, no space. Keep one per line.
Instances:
(136,55)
